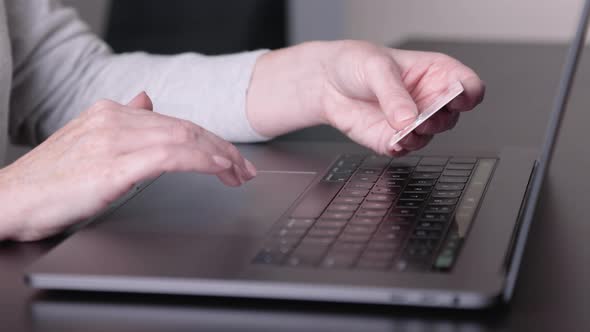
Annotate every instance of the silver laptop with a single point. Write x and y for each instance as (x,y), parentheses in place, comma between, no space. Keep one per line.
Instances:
(323,222)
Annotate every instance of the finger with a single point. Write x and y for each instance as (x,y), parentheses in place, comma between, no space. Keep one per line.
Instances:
(414,142)
(153,161)
(165,129)
(474,87)
(141,101)
(229,178)
(438,123)
(244,168)
(473,94)
(384,79)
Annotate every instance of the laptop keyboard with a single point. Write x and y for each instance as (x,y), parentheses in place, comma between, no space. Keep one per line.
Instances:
(377,213)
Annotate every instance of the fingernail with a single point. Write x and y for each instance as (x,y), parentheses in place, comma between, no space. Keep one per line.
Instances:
(250,167)
(396,147)
(222,162)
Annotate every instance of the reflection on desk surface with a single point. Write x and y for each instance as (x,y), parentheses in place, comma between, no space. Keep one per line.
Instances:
(156,313)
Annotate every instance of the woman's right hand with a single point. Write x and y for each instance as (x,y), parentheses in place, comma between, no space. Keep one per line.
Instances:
(98,157)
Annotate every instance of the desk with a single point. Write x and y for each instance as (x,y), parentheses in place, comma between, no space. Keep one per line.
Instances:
(552,292)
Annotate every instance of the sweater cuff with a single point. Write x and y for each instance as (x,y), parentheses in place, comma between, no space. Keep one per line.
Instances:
(217,104)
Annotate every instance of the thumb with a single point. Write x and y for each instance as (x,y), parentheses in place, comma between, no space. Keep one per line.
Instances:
(143,101)
(386,83)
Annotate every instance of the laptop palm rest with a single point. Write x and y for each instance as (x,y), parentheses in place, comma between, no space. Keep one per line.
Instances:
(201,204)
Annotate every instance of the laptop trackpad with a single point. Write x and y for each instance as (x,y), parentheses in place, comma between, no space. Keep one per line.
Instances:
(193,203)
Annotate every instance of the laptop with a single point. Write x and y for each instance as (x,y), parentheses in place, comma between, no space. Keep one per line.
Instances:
(324,222)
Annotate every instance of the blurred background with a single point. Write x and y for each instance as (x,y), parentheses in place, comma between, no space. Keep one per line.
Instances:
(221,26)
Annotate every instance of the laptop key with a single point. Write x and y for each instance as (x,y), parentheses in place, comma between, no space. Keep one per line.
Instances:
(354,238)
(386,190)
(340,246)
(311,241)
(354,192)
(337,215)
(463,160)
(443,201)
(453,179)
(359,185)
(342,207)
(413,196)
(403,212)
(461,166)
(375,205)
(436,217)
(450,186)
(365,178)
(371,213)
(330,223)
(425,176)
(439,208)
(446,194)
(383,245)
(298,223)
(380,197)
(426,234)
(290,232)
(418,189)
(324,232)
(356,229)
(421,182)
(452,172)
(348,200)
(434,161)
(390,183)
(369,171)
(430,225)
(409,204)
(399,219)
(429,169)
(400,169)
(366,221)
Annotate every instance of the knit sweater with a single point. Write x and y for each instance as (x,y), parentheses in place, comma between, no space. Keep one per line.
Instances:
(52,68)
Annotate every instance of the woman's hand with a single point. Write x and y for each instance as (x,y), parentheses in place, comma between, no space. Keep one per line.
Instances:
(366,91)
(98,157)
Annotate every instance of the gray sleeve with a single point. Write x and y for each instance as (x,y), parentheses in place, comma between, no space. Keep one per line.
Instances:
(61,68)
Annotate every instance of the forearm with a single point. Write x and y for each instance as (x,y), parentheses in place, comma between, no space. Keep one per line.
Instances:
(61,68)
(286,90)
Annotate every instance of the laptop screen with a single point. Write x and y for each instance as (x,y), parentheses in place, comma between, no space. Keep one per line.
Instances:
(544,159)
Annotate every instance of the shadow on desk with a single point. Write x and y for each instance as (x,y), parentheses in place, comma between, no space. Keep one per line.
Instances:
(72,311)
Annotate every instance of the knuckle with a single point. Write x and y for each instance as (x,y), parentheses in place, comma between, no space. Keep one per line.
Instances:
(101,113)
(184,131)
(233,151)
(378,63)
(101,105)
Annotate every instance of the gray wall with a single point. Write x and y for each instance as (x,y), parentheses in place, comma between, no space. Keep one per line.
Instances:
(387,21)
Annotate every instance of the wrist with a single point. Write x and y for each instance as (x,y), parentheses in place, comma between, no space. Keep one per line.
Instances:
(13,213)
(285,89)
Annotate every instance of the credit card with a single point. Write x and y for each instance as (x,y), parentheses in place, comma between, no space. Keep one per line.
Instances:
(452,91)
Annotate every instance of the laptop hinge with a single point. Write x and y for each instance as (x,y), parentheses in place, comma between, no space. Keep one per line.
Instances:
(510,252)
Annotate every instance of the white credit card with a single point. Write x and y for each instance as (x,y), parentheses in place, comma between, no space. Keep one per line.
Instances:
(452,91)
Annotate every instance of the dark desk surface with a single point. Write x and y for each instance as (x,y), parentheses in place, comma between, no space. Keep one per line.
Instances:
(553,291)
